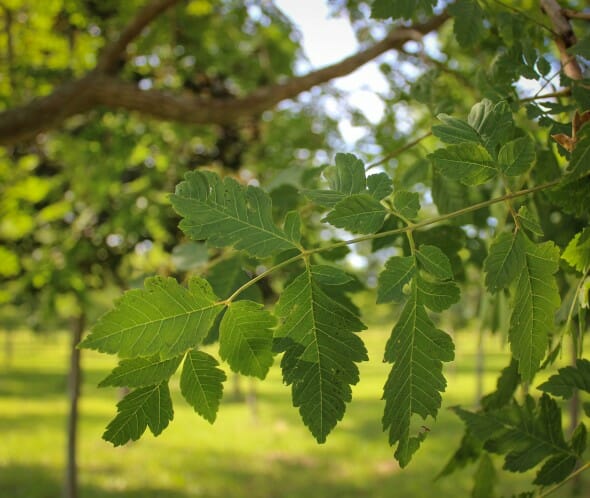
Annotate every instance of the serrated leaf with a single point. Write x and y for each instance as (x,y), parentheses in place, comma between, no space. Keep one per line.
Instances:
(517,156)
(505,388)
(330,275)
(321,352)
(504,262)
(293,226)
(398,271)
(529,221)
(455,131)
(577,252)
(201,383)
(469,451)
(245,338)
(226,213)
(417,349)
(379,185)
(145,407)
(555,469)
(493,122)
(348,175)
(407,203)
(359,213)
(536,299)
(163,319)
(468,25)
(141,372)
(468,163)
(325,198)
(579,438)
(434,261)
(526,434)
(485,478)
(384,9)
(567,379)
(438,296)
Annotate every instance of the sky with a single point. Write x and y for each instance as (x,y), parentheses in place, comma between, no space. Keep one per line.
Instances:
(327,40)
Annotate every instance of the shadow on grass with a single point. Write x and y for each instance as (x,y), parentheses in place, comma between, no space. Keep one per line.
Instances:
(17,383)
(23,481)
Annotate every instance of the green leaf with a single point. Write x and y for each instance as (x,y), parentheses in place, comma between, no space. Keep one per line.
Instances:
(527,435)
(469,451)
(293,226)
(245,338)
(384,9)
(201,383)
(581,48)
(536,300)
(485,478)
(226,276)
(493,122)
(145,407)
(189,256)
(504,262)
(438,296)
(417,349)
(468,163)
(379,185)
(321,352)
(226,213)
(529,221)
(163,319)
(567,379)
(468,25)
(141,372)
(325,198)
(505,388)
(455,131)
(398,271)
(435,262)
(330,275)
(359,213)
(577,252)
(407,203)
(517,156)
(348,175)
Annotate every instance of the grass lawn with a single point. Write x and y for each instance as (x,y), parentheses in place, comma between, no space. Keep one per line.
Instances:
(254,450)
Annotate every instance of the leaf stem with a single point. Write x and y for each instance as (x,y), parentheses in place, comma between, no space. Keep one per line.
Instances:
(305,253)
(398,151)
(584,467)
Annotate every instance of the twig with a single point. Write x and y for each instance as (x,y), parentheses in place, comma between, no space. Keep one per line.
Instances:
(559,93)
(398,151)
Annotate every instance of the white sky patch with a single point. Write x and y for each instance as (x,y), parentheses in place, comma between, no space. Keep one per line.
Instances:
(326,40)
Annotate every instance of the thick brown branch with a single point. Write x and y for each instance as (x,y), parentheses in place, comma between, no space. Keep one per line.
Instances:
(110,56)
(565,37)
(99,89)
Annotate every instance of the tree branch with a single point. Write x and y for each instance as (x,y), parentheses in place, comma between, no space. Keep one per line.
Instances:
(108,60)
(99,88)
(564,39)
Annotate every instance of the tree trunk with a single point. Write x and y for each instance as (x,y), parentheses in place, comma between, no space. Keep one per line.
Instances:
(71,477)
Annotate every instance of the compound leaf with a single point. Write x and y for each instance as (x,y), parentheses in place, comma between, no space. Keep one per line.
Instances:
(468,25)
(141,372)
(379,185)
(436,295)
(226,213)
(384,9)
(201,383)
(407,203)
(163,319)
(145,407)
(321,352)
(577,252)
(245,338)
(536,300)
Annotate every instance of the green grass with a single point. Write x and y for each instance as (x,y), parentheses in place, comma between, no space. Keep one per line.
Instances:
(256,451)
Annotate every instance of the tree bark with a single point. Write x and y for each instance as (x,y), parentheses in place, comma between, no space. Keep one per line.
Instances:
(101,88)
(74,381)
